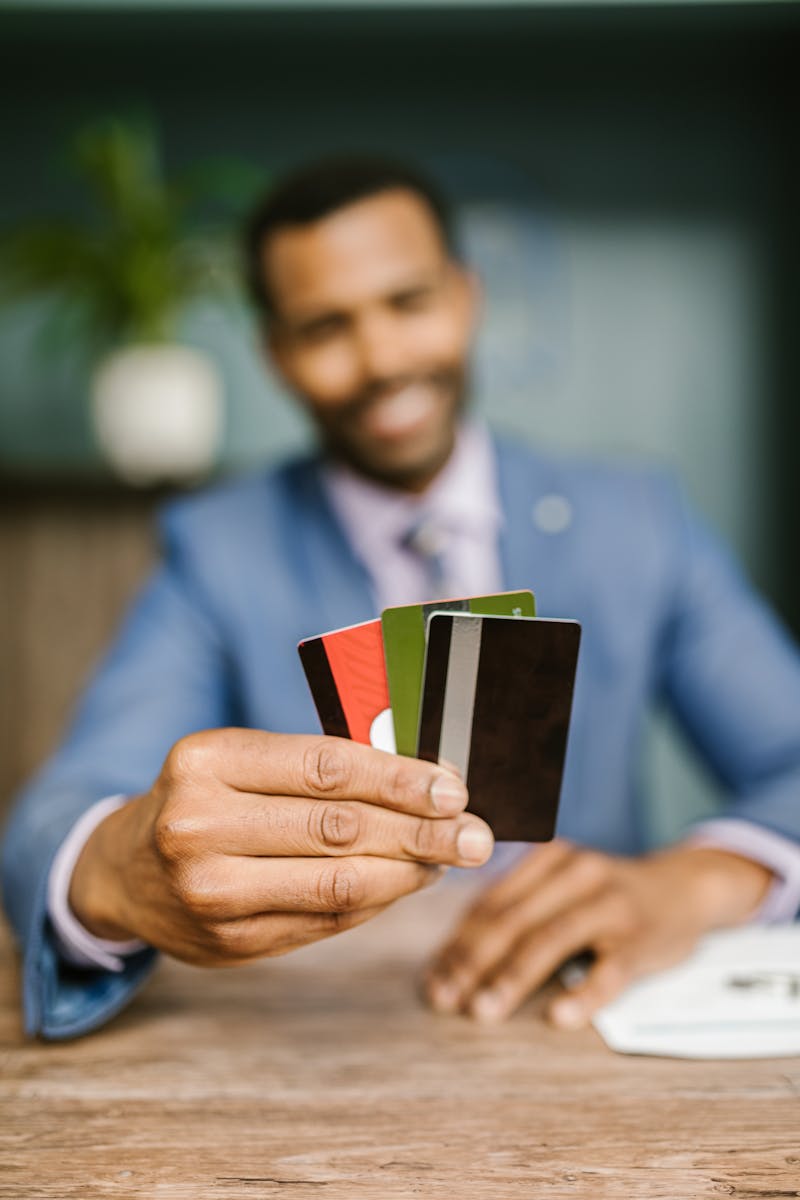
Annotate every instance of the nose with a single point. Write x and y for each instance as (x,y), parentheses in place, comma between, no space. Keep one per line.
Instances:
(380,348)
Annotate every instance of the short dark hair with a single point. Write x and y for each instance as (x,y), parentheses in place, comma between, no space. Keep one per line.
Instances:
(323,187)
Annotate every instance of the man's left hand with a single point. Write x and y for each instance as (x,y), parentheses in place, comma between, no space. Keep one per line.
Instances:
(635,915)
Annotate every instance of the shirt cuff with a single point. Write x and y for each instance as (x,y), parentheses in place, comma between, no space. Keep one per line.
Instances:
(75,943)
(761,845)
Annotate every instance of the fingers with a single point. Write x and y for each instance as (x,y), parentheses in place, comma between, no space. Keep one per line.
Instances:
(267,935)
(534,959)
(609,976)
(635,916)
(294,827)
(635,955)
(251,760)
(491,929)
(243,887)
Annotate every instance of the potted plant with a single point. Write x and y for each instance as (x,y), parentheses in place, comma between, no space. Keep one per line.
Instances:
(121,278)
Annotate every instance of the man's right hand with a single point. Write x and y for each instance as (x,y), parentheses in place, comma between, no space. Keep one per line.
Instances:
(253,844)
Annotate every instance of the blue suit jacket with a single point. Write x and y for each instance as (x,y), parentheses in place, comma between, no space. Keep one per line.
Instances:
(252,567)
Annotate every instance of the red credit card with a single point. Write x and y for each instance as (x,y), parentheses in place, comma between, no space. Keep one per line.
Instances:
(346,673)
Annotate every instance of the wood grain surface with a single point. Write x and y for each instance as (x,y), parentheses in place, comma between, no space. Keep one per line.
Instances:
(321,1075)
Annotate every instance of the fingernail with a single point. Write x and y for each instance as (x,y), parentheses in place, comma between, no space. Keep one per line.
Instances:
(474,843)
(444,996)
(448,796)
(568,1014)
(487,1006)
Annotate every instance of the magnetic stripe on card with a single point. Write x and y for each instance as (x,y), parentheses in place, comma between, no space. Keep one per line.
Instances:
(459,693)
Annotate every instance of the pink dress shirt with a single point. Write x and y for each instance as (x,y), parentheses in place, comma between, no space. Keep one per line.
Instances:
(462,506)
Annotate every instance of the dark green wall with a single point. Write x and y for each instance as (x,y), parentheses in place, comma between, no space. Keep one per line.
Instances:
(603,115)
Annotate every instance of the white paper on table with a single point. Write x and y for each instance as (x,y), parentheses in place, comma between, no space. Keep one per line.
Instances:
(737,996)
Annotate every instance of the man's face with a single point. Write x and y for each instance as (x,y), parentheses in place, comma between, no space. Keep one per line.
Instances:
(372,327)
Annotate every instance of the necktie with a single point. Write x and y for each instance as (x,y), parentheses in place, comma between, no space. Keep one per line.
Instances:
(427,540)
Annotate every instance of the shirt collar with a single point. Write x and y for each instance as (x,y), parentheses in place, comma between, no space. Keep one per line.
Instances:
(464,496)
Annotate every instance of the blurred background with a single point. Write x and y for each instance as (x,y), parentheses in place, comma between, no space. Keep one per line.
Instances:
(629,186)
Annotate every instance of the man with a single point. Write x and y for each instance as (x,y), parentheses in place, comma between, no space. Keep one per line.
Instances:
(169,821)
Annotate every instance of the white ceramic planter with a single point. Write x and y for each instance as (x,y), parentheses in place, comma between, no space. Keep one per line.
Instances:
(158,412)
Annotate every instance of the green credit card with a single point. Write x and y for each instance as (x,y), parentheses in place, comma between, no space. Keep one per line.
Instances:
(404,632)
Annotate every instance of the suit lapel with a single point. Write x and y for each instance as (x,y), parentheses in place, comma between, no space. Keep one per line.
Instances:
(339,591)
(532,554)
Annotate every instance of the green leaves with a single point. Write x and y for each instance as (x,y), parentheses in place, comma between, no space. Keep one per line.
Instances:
(147,247)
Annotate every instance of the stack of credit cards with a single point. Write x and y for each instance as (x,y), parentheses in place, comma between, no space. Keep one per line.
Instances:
(479,684)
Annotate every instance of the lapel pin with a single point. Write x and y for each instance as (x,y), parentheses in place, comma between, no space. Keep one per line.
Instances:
(552,513)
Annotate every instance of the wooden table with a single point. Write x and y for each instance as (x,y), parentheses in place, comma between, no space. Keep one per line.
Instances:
(321,1075)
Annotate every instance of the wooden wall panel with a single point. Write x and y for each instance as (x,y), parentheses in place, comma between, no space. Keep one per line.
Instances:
(69,562)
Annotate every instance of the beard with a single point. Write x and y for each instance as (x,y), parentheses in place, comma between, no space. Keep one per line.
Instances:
(398,431)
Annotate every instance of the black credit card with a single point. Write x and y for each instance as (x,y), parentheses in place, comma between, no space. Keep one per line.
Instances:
(496,703)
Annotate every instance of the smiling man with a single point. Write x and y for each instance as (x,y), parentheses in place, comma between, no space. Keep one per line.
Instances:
(169,821)
(370,321)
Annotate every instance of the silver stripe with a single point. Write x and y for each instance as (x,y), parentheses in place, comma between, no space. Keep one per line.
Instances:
(459,692)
